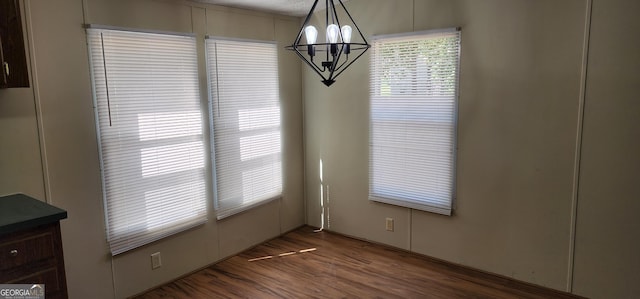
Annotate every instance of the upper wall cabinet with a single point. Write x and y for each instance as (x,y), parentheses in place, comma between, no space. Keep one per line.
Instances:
(12,52)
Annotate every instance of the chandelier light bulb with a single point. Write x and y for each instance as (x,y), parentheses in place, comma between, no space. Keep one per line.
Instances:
(311,33)
(333,31)
(346,34)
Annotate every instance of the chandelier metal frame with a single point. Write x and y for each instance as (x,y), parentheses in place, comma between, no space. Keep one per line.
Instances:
(336,54)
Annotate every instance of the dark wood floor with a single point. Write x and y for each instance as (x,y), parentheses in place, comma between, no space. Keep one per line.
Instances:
(305,264)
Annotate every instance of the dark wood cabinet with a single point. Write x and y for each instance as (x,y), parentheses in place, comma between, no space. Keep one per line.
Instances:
(34,256)
(13,59)
(31,244)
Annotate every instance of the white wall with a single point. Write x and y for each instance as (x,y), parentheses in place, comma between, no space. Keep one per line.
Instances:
(20,165)
(61,95)
(607,243)
(519,121)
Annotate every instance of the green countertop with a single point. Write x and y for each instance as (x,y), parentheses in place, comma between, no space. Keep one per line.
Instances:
(20,211)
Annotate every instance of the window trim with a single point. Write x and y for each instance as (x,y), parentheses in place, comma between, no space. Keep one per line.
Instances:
(417,33)
(139,30)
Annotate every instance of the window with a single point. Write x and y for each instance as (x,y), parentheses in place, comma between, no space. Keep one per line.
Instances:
(245,113)
(414,84)
(150,128)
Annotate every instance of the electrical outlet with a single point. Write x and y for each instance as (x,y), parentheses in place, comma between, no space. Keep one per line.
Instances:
(156,261)
(390,224)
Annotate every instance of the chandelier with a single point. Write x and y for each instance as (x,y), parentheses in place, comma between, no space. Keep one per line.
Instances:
(337,52)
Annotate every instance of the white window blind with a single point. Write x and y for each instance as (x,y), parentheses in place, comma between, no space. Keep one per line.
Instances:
(245,113)
(414,83)
(148,114)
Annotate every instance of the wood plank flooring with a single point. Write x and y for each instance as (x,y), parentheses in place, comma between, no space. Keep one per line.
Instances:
(306,264)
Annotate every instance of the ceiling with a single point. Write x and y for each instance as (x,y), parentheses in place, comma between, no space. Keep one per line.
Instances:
(296,8)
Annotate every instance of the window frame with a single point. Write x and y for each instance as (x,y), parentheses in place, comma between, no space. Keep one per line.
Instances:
(193,210)
(237,205)
(424,205)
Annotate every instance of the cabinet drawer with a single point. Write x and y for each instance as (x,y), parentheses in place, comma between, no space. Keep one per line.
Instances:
(48,277)
(27,250)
